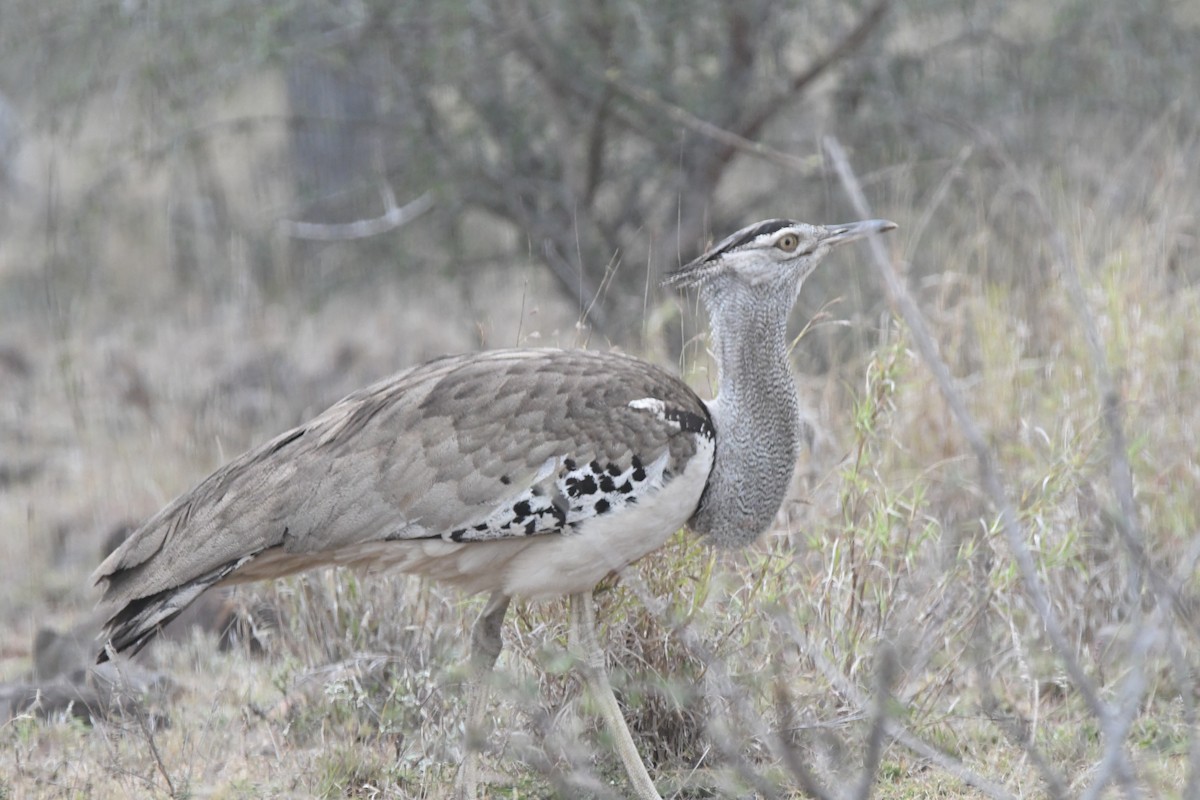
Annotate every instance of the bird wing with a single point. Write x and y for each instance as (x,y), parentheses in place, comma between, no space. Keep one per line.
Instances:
(467,448)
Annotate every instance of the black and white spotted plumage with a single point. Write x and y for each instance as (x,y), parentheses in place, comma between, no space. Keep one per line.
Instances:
(565,494)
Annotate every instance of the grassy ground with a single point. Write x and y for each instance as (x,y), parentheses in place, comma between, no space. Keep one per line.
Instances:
(889,560)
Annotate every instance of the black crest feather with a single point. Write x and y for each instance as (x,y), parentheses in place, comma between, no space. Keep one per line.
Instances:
(746,235)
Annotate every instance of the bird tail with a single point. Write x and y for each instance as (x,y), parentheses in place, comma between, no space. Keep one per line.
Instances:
(133,625)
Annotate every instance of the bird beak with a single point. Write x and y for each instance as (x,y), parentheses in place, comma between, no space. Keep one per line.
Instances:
(840,234)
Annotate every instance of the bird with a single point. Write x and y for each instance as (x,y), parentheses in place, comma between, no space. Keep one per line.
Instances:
(531,473)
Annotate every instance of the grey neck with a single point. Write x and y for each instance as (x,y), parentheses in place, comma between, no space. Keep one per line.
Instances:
(756,413)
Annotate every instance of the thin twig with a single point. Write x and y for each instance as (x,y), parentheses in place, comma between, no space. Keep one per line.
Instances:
(1019,730)
(1116,726)
(850,41)
(1133,688)
(885,676)
(939,196)
(785,709)
(727,743)
(122,689)
(392,218)
(680,115)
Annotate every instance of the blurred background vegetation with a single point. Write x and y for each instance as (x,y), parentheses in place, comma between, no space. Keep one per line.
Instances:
(184,189)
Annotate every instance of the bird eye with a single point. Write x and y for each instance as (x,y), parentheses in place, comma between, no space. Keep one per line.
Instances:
(788,242)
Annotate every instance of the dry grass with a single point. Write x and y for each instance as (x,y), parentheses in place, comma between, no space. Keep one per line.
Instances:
(891,553)
(889,541)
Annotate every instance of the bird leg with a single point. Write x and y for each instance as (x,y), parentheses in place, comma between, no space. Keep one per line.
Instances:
(591,661)
(486,643)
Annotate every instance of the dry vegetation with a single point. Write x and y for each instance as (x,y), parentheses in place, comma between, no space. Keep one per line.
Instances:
(885,622)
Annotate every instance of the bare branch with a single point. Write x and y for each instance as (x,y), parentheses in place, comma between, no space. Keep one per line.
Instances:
(946,762)
(785,708)
(1016,727)
(885,676)
(723,737)
(392,218)
(734,141)
(850,41)
(1133,688)
(939,196)
(1116,726)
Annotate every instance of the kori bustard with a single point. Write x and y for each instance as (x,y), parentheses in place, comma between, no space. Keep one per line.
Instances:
(528,472)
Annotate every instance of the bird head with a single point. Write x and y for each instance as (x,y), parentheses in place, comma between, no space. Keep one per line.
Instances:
(774,252)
